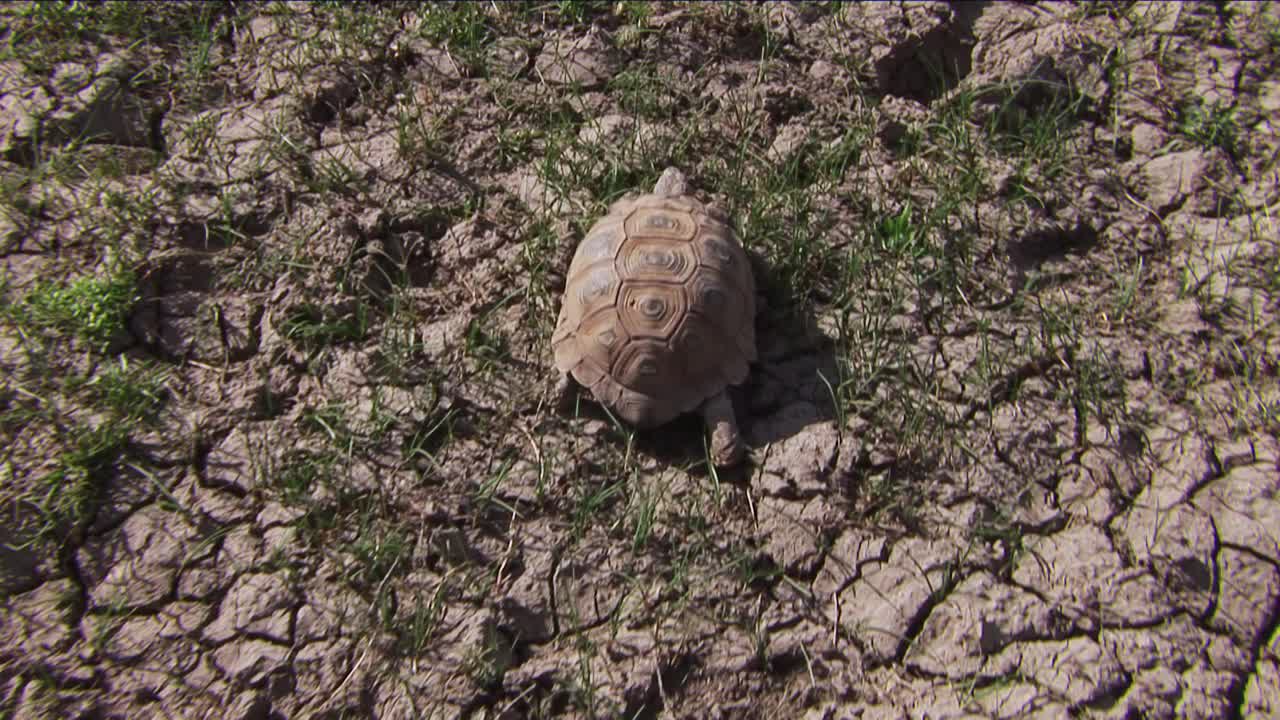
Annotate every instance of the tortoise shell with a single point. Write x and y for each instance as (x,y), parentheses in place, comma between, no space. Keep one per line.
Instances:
(659,308)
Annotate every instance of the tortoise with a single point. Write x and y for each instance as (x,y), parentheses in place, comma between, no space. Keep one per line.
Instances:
(658,315)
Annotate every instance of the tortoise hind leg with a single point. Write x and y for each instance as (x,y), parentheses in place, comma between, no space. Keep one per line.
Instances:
(726,440)
(564,393)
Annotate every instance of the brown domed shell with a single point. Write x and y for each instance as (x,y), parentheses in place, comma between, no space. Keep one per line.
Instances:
(659,309)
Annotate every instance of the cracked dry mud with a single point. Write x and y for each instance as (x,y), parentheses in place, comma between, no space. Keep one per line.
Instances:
(1010,456)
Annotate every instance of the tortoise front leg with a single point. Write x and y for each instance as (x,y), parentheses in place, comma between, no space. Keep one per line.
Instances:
(726,441)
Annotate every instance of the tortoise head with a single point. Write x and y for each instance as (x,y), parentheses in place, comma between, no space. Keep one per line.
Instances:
(672,183)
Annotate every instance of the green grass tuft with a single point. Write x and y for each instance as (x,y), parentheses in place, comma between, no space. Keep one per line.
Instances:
(93,309)
(1209,126)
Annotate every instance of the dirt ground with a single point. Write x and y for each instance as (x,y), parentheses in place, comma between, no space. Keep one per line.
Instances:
(276,416)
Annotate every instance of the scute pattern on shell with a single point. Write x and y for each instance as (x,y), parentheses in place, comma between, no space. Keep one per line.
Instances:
(659,309)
